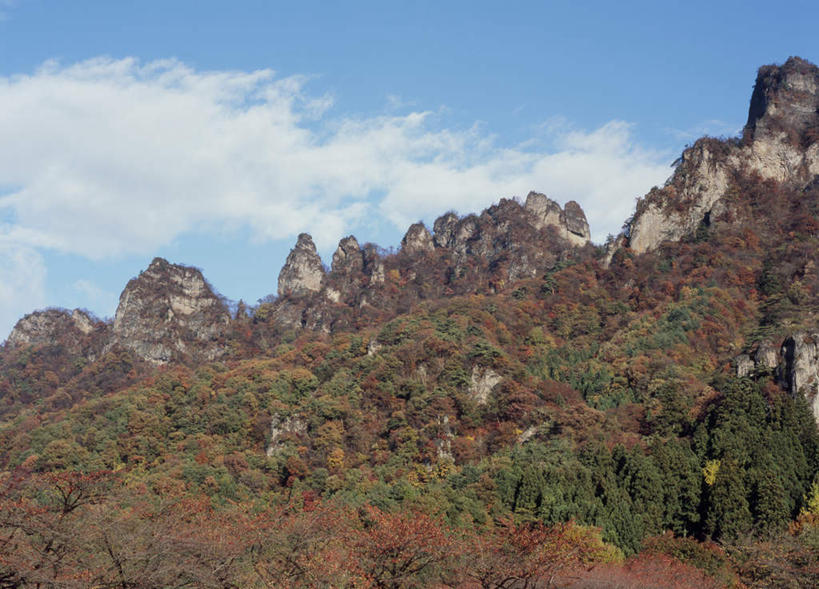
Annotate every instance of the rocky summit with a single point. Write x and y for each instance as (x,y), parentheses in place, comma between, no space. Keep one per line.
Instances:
(72,330)
(779,143)
(170,312)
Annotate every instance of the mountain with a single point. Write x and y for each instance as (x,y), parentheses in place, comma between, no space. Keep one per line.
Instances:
(496,377)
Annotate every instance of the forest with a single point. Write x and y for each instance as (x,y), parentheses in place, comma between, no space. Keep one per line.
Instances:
(583,428)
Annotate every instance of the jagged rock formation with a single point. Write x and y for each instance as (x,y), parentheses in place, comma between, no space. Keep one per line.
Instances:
(170,312)
(417,240)
(485,252)
(795,364)
(800,368)
(73,330)
(302,272)
(779,143)
(570,222)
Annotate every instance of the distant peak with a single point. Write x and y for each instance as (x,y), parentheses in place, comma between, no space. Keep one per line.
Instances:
(785,98)
(305,242)
(417,240)
(303,271)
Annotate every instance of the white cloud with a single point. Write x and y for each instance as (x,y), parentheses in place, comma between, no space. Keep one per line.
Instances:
(117,156)
(22,279)
(711,128)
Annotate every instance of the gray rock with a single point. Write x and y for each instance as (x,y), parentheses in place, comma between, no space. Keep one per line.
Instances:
(570,223)
(417,240)
(576,222)
(784,97)
(444,230)
(777,146)
(71,329)
(283,428)
(800,370)
(744,365)
(483,382)
(373,265)
(348,257)
(767,356)
(303,272)
(170,312)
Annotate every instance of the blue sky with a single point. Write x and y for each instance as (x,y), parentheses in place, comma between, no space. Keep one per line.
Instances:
(212,133)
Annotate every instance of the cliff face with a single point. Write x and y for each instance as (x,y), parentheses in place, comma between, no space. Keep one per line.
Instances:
(780,143)
(474,253)
(170,312)
(76,331)
(302,272)
(794,364)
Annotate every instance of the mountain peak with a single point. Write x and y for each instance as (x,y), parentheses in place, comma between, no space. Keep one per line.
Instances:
(170,311)
(303,271)
(785,99)
(780,143)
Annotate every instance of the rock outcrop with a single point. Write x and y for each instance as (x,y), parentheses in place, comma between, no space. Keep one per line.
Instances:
(348,258)
(72,330)
(475,253)
(170,312)
(482,382)
(780,143)
(800,367)
(417,241)
(303,271)
(794,364)
(284,428)
(570,222)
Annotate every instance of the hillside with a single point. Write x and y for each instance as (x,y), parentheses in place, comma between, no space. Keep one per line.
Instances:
(499,401)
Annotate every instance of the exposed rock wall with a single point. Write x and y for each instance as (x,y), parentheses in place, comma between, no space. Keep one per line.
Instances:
(303,272)
(71,329)
(794,363)
(169,312)
(800,367)
(570,223)
(780,143)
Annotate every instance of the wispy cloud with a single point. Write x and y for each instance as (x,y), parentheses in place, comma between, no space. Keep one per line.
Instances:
(109,157)
(5,8)
(711,127)
(22,281)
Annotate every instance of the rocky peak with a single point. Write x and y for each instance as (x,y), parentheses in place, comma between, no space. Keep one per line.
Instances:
(444,229)
(303,272)
(70,329)
(348,257)
(373,264)
(417,240)
(785,98)
(570,222)
(781,143)
(576,223)
(169,311)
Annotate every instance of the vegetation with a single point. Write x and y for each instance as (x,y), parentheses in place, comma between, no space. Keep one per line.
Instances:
(616,444)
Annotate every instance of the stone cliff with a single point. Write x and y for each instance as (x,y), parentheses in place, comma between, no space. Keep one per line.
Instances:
(170,312)
(74,330)
(794,364)
(780,142)
(474,253)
